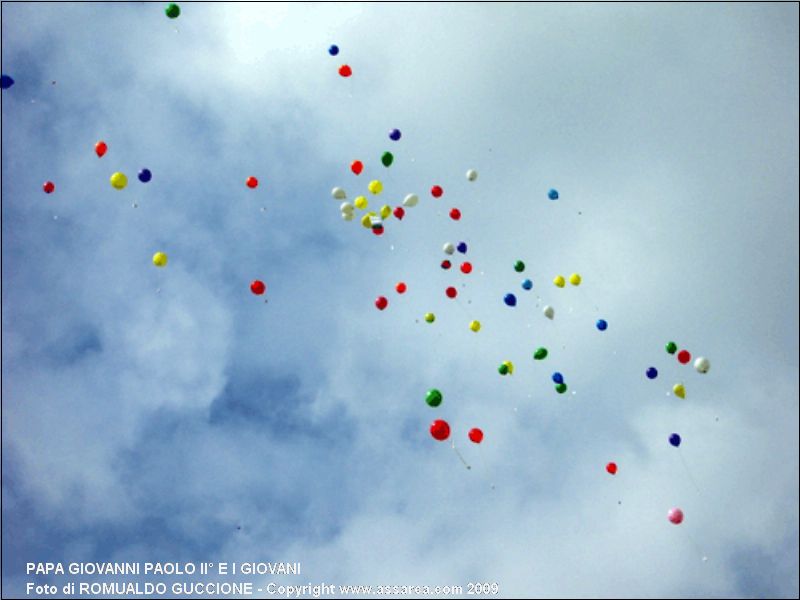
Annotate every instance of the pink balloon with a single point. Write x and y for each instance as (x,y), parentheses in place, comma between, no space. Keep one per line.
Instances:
(675,516)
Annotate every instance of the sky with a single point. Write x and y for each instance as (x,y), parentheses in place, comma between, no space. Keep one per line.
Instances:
(171,415)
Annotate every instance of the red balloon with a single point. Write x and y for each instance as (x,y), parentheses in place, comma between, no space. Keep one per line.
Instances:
(440,430)
(381,302)
(100,148)
(399,213)
(345,71)
(252,182)
(684,357)
(446,264)
(437,191)
(612,468)
(466,268)
(451,292)
(258,287)
(377,229)
(475,435)
(401,288)
(49,187)
(455,214)
(356,167)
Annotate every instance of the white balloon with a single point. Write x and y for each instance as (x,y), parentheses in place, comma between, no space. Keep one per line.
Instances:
(472,175)
(449,248)
(702,365)
(338,193)
(346,207)
(549,312)
(410,200)
(347,216)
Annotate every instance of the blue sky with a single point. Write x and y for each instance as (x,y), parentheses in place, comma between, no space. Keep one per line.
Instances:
(169,414)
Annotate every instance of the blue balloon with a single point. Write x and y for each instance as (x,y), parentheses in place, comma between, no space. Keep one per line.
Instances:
(462,247)
(395,134)
(652,373)
(145,175)
(510,300)
(558,377)
(333,50)
(527,284)
(675,440)
(552,194)
(6,81)
(602,325)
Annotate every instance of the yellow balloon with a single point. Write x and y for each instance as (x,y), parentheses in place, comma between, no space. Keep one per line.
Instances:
(475,326)
(510,366)
(375,186)
(366,220)
(118,180)
(575,279)
(160,259)
(360,202)
(559,280)
(386,211)
(430,317)
(679,390)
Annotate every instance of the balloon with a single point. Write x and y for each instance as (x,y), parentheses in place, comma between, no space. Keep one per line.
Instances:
(519,266)
(377,229)
(381,302)
(100,148)
(375,187)
(347,216)
(345,71)
(510,366)
(462,247)
(503,369)
(527,284)
(49,187)
(510,300)
(395,135)
(540,354)
(399,213)
(118,181)
(475,326)
(451,292)
(160,259)
(356,167)
(333,50)
(172,10)
(702,365)
(433,397)
(386,211)
(671,347)
(472,175)
(558,377)
(366,220)
(559,281)
(337,192)
(410,200)
(346,207)
(455,214)
(387,159)
(552,194)
(612,468)
(258,287)
(561,388)
(252,183)
(6,81)
(448,248)
(466,268)
(549,312)
(446,264)
(675,516)
(401,288)
(679,390)
(440,430)
(430,317)
(684,357)
(602,324)
(675,440)
(360,202)
(145,175)
(651,373)
(475,435)
(437,191)
(575,279)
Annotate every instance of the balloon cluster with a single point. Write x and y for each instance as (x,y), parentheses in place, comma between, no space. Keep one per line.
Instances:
(439,428)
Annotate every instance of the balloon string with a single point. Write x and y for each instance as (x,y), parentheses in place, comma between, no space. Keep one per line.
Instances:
(459,455)
(689,473)
(695,545)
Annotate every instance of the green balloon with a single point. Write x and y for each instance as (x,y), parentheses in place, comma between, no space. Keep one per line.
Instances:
(503,369)
(172,11)
(434,397)
(671,347)
(519,266)
(387,159)
(561,388)
(540,354)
